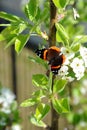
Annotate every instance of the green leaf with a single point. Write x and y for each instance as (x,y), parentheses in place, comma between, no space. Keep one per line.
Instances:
(61,34)
(10,17)
(59,85)
(40,80)
(65,105)
(39,93)
(31,9)
(30,102)
(39,61)
(41,111)
(80,39)
(57,105)
(61,106)
(20,42)
(8,34)
(60,3)
(75,47)
(34,121)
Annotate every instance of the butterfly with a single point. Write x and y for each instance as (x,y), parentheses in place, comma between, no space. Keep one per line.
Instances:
(54,57)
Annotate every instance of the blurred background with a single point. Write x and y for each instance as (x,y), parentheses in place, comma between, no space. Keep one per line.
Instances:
(16,70)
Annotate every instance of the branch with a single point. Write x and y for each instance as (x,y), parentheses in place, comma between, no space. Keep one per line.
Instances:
(52,42)
(52,32)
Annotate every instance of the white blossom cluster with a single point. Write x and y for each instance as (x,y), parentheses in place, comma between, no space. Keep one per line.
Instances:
(73,64)
(7,97)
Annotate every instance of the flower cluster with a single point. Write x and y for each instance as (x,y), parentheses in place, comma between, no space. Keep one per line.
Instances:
(8,110)
(74,67)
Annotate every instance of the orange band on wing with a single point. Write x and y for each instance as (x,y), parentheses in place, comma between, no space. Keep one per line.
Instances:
(55,48)
(45,55)
(64,58)
(55,67)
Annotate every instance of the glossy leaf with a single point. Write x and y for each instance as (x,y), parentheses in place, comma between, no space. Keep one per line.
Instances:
(61,34)
(34,121)
(80,39)
(41,111)
(8,34)
(40,80)
(30,102)
(31,9)
(65,105)
(75,47)
(10,17)
(60,3)
(59,85)
(57,105)
(61,106)
(20,42)
(39,93)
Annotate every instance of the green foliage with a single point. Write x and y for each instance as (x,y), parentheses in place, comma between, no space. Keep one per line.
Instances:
(40,80)
(31,9)
(61,105)
(20,42)
(30,102)
(59,3)
(61,34)
(41,111)
(10,17)
(59,85)
(70,33)
(34,121)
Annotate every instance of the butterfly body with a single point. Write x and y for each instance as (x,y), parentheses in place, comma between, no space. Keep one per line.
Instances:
(54,57)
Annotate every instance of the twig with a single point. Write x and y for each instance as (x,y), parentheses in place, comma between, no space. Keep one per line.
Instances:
(52,32)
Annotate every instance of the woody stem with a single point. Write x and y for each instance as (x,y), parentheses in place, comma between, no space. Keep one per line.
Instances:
(52,42)
(52,31)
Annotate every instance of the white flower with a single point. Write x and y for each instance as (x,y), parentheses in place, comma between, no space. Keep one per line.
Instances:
(16,127)
(8,95)
(76,15)
(63,71)
(78,67)
(68,53)
(6,98)
(83,52)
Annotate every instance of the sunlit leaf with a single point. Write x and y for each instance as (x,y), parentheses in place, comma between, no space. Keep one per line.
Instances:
(59,85)
(60,3)
(57,105)
(10,17)
(61,105)
(34,121)
(61,34)
(41,111)
(31,9)
(80,39)
(40,80)
(20,42)
(30,102)
(39,93)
